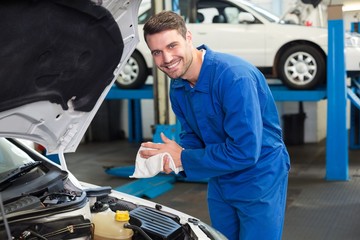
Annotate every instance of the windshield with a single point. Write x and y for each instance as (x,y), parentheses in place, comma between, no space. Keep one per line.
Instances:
(144,12)
(271,17)
(11,156)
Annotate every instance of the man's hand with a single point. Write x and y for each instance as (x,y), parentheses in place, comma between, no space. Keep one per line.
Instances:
(169,146)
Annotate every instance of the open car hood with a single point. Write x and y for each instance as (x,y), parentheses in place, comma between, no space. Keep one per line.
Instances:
(59,60)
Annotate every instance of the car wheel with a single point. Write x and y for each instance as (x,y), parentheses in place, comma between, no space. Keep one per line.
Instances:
(134,73)
(302,67)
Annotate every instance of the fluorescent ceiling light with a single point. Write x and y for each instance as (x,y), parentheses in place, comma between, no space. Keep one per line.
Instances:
(351,7)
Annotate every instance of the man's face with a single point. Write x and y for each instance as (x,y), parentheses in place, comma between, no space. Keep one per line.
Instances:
(172,53)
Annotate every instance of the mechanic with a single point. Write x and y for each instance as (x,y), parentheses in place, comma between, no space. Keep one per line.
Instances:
(230,131)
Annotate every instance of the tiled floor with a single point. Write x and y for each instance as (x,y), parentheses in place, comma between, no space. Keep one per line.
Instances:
(316,209)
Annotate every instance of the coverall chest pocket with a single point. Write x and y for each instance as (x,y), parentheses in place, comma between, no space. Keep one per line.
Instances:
(213,122)
(207,116)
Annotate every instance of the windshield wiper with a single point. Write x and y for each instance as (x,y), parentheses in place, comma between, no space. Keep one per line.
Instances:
(18,172)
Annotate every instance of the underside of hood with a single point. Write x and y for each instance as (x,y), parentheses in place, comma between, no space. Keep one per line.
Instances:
(59,59)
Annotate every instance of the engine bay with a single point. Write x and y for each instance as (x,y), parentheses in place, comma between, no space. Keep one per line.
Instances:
(31,217)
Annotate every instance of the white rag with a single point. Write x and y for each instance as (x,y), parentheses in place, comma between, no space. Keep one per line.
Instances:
(146,168)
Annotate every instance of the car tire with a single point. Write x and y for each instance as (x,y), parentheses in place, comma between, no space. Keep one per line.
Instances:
(134,73)
(302,67)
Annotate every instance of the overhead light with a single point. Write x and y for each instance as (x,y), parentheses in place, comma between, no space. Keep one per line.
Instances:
(351,7)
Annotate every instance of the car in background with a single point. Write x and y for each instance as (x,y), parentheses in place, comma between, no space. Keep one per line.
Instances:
(59,60)
(295,54)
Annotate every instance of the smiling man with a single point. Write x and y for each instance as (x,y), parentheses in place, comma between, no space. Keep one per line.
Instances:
(230,131)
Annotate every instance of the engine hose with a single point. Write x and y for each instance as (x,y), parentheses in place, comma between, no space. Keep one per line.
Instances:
(136,228)
(29,233)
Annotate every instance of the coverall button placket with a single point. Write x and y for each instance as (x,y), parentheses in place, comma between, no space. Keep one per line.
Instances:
(191,116)
(200,107)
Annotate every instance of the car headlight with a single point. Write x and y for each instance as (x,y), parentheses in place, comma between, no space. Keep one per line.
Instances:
(211,232)
(352,40)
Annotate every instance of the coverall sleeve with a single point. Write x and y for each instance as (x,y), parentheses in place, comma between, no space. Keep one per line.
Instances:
(238,130)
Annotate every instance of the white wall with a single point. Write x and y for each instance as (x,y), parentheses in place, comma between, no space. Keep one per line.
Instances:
(350,17)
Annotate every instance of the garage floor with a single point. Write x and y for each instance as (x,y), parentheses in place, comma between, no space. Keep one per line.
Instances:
(316,209)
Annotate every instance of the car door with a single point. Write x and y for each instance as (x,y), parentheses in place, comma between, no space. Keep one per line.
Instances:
(216,25)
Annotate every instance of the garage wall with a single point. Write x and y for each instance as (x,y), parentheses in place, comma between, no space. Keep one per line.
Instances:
(315,122)
(350,17)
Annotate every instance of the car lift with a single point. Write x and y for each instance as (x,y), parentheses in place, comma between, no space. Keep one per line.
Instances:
(336,94)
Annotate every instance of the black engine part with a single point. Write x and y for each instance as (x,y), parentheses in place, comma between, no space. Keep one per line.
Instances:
(65,228)
(157,225)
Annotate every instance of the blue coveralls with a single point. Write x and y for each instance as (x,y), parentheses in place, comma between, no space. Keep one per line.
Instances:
(232,136)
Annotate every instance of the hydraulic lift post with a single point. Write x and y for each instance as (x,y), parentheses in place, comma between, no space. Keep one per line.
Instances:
(165,120)
(337,137)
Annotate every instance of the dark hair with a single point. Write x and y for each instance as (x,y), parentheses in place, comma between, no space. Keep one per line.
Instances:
(165,20)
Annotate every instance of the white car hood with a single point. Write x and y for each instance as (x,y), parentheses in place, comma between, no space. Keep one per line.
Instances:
(59,60)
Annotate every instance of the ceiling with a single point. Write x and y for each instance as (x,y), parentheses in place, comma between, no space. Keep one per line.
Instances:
(348,5)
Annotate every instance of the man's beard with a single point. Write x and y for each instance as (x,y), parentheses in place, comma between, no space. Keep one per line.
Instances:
(185,69)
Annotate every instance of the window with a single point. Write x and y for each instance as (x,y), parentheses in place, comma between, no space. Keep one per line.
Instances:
(219,11)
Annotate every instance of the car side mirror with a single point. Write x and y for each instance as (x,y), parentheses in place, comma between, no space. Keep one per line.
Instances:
(245,17)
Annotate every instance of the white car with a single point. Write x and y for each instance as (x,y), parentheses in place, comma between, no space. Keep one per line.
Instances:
(59,60)
(295,54)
